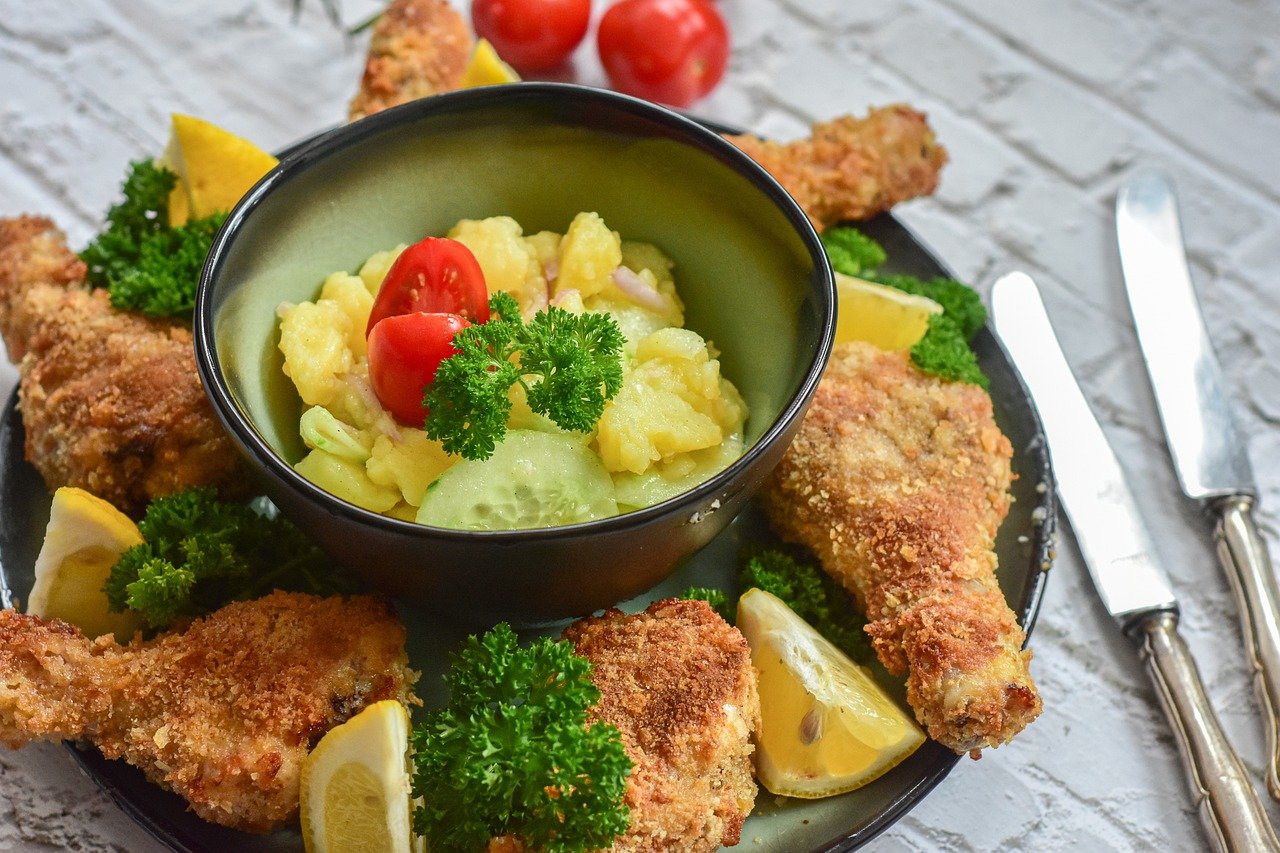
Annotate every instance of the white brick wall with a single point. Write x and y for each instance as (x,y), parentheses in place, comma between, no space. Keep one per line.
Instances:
(1045,106)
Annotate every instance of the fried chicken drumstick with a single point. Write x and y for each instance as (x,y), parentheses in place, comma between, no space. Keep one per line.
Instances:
(852,168)
(110,400)
(898,481)
(222,713)
(419,48)
(677,681)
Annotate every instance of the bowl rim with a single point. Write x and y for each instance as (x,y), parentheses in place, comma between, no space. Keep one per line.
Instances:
(300,158)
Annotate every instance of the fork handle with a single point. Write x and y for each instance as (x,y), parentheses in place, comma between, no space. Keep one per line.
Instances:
(1244,556)
(1230,810)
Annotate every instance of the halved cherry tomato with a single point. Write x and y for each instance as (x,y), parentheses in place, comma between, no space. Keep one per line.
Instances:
(673,51)
(435,276)
(404,352)
(532,35)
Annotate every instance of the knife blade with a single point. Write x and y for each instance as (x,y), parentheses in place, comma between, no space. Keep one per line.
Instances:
(1123,564)
(1208,452)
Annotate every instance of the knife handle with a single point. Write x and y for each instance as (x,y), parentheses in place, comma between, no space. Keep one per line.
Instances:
(1229,807)
(1244,555)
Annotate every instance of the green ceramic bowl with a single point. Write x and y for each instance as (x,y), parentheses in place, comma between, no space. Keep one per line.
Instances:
(752,273)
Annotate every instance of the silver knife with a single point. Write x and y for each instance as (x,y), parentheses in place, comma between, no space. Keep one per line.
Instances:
(1122,562)
(1208,452)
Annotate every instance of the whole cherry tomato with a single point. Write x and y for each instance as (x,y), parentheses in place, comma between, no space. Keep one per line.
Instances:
(436,276)
(673,51)
(404,352)
(532,35)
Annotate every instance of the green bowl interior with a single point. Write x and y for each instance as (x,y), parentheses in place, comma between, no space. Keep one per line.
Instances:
(742,267)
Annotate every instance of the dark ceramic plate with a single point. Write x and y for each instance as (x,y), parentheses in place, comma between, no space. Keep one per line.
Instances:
(838,823)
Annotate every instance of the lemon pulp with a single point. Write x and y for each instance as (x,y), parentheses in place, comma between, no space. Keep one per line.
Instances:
(881,315)
(825,726)
(486,68)
(355,785)
(214,167)
(83,540)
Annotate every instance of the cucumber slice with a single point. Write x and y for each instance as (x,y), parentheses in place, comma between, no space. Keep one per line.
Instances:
(533,479)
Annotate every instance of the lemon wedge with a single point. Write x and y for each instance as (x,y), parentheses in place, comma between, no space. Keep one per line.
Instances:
(486,68)
(84,539)
(355,785)
(825,726)
(214,168)
(881,315)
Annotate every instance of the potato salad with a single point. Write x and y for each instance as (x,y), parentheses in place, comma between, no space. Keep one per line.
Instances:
(368,349)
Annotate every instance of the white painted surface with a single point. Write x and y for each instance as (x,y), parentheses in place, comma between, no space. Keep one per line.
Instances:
(1045,106)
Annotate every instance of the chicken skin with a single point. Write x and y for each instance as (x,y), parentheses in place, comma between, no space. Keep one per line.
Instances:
(854,168)
(898,481)
(223,713)
(678,683)
(110,400)
(419,48)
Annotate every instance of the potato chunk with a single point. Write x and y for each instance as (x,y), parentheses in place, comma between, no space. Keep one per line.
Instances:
(672,401)
(509,262)
(589,254)
(349,292)
(409,464)
(314,340)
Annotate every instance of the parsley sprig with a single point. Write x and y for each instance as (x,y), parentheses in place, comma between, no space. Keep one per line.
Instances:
(569,365)
(512,753)
(146,264)
(200,553)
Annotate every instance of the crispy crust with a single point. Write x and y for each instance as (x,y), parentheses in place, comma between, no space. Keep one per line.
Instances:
(898,481)
(33,252)
(223,713)
(852,168)
(112,403)
(677,681)
(419,48)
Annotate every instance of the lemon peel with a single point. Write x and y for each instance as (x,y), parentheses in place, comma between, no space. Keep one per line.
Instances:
(84,538)
(355,785)
(825,726)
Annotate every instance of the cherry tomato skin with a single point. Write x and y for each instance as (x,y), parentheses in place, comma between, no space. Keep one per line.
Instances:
(532,35)
(404,352)
(433,276)
(673,51)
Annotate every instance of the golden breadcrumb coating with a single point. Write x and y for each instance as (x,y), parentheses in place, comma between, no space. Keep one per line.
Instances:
(222,713)
(111,403)
(678,683)
(32,252)
(898,481)
(110,400)
(419,48)
(852,168)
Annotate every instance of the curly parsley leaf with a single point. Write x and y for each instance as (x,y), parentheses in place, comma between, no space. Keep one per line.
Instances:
(717,598)
(143,262)
(199,553)
(570,366)
(512,753)
(852,252)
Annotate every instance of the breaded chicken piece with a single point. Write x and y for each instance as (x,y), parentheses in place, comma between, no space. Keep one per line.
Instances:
(419,48)
(111,402)
(33,252)
(852,168)
(678,683)
(222,713)
(898,481)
